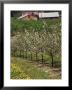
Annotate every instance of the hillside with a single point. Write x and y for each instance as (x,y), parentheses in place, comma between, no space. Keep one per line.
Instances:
(36,42)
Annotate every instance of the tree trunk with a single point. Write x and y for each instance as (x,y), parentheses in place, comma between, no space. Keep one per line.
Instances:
(20,53)
(42,58)
(36,56)
(14,54)
(42,55)
(23,54)
(26,54)
(31,55)
(52,59)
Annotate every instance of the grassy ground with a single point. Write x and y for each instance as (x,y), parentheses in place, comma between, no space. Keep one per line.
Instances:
(26,69)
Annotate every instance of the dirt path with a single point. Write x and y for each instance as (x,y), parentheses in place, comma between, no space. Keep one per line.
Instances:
(53,73)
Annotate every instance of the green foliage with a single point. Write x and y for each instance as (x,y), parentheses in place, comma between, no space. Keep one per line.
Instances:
(22,25)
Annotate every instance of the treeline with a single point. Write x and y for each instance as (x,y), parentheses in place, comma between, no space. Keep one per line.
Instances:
(39,25)
(42,37)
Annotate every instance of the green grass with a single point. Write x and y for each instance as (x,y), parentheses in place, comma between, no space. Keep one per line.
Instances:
(22,69)
(25,69)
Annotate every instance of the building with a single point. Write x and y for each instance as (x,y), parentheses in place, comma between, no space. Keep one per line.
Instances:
(29,16)
(38,15)
(48,15)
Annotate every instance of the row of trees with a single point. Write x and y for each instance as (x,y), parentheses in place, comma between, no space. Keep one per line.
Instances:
(37,40)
